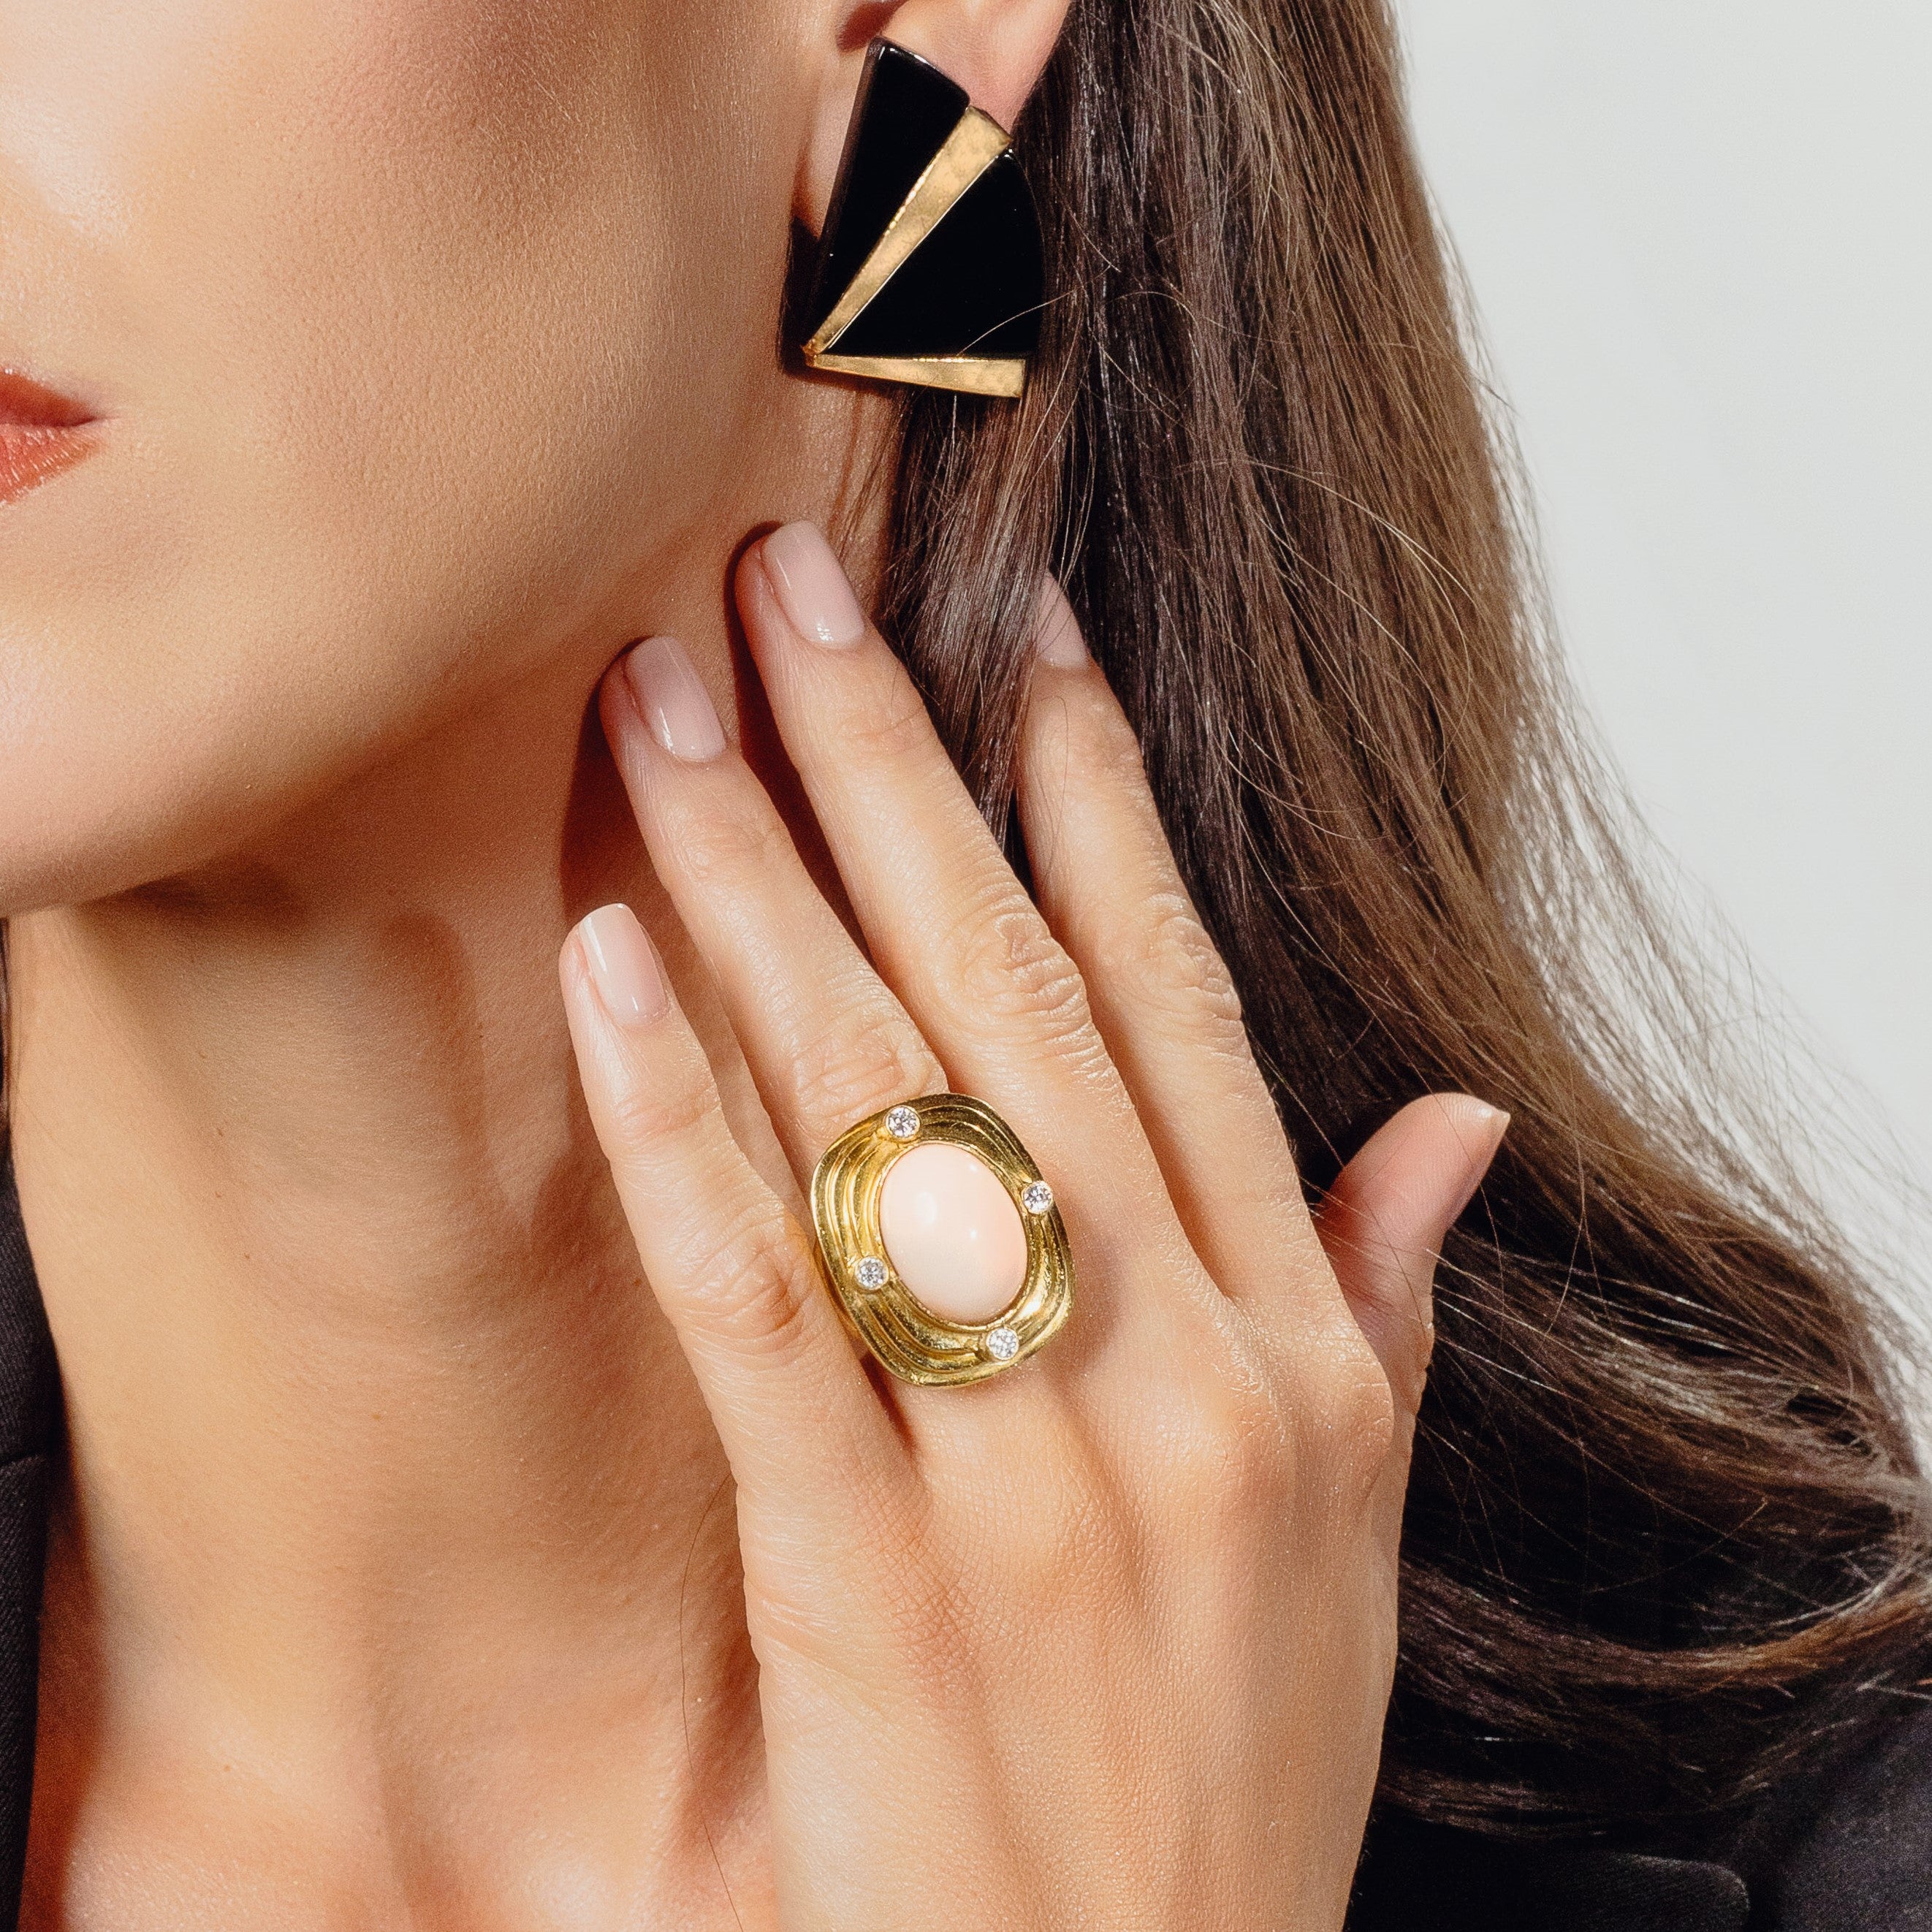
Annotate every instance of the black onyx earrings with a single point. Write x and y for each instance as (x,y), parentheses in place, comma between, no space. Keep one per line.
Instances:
(930,268)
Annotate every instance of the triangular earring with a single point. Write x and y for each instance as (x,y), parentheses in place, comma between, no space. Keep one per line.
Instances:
(930,270)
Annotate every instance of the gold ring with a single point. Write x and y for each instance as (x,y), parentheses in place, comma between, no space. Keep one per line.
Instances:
(941,1241)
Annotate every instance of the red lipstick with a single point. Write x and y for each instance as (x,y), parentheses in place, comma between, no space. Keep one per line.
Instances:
(41,434)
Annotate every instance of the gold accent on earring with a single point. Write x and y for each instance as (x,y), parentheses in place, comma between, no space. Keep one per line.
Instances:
(977,376)
(973,145)
(901,1332)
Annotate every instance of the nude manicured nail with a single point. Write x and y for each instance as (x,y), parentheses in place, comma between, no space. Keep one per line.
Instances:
(812,587)
(623,968)
(672,699)
(1056,631)
(1484,1128)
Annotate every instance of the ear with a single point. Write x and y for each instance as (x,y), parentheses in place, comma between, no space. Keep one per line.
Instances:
(996,49)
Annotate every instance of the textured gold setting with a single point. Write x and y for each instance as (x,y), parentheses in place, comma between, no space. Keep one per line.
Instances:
(973,145)
(901,1332)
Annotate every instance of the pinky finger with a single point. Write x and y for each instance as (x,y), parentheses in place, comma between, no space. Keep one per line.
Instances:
(1385,1220)
(734,1272)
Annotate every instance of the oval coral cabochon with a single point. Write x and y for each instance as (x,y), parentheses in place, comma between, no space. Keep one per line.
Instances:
(953,1232)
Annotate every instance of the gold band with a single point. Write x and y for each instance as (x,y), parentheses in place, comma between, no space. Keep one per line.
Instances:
(903,1335)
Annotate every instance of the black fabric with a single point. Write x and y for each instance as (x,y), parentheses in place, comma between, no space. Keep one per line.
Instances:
(1421,1878)
(29,1410)
(29,1390)
(1854,1850)
(1848,1849)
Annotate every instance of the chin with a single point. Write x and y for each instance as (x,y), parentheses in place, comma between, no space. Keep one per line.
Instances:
(99,808)
(175,690)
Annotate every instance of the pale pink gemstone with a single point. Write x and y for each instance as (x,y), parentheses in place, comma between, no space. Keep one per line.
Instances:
(953,1233)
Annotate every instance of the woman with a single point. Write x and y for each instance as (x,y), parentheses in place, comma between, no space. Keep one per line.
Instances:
(460,1503)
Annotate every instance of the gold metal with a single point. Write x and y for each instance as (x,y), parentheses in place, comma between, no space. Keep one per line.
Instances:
(979,376)
(976,143)
(905,1336)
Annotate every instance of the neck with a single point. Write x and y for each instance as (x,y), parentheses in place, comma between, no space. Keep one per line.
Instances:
(390,1504)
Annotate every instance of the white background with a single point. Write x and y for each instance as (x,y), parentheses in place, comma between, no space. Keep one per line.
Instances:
(1698,236)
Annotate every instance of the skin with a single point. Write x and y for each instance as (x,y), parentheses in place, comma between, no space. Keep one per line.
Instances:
(449,1536)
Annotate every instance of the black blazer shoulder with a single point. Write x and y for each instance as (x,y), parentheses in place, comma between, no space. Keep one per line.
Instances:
(1847,1849)
(1851,1847)
(29,1425)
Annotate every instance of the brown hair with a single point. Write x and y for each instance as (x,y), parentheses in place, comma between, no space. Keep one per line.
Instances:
(1665,1518)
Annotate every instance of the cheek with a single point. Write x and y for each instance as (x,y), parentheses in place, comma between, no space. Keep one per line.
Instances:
(423,327)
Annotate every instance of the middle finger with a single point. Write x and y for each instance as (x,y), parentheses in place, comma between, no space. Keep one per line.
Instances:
(948,923)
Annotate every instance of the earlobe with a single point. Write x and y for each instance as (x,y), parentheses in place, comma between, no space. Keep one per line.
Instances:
(995,49)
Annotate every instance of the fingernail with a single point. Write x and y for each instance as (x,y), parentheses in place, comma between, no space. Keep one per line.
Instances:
(1486,1126)
(812,588)
(1056,631)
(672,699)
(622,967)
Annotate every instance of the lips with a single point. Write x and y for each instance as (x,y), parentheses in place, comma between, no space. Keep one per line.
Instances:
(41,433)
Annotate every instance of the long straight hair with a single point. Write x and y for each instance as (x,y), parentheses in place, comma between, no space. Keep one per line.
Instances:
(1666,1535)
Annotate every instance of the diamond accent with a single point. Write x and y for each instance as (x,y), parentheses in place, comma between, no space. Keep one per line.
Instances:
(871,1273)
(1003,1345)
(902,1123)
(1038,1199)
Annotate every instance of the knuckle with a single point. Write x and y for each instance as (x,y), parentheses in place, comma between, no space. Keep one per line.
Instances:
(1013,970)
(1105,745)
(1348,1413)
(723,849)
(896,1598)
(1168,954)
(1072,1534)
(758,1281)
(886,728)
(646,1113)
(1018,1559)
(1223,1430)
(860,1062)
(1237,1453)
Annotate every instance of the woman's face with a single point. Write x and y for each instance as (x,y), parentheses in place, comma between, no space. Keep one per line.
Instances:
(427,338)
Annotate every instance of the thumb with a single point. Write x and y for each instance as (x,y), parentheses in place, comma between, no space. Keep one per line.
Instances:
(1384,1221)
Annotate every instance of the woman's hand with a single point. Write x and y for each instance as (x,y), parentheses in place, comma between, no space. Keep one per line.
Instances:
(1106,1640)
